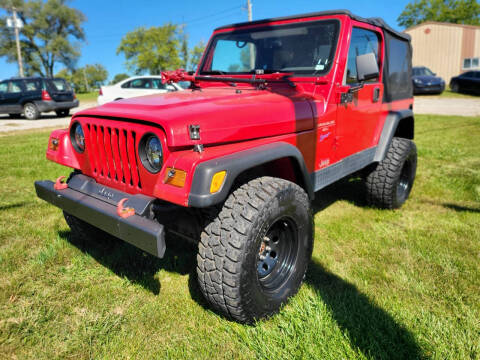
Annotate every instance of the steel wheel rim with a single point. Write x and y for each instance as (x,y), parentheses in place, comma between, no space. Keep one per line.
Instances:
(405,182)
(277,254)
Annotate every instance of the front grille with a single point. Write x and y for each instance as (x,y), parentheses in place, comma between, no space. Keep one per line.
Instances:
(112,154)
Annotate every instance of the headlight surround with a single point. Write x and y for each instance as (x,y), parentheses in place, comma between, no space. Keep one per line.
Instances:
(151,153)
(77,137)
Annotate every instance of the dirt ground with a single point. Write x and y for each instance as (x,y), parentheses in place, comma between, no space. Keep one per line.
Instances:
(423,105)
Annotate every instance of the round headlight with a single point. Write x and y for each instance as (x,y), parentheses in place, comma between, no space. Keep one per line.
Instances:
(77,137)
(151,153)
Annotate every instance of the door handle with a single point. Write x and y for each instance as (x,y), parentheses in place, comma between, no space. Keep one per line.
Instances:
(376,94)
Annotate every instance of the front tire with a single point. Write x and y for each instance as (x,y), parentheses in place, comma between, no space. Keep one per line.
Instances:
(253,255)
(455,88)
(390,183)
(30,111)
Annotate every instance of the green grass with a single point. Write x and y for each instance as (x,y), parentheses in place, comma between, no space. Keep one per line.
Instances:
(382,284)
(91,96)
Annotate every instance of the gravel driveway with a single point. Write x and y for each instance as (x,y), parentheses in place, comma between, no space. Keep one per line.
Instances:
(446,106)
(47,120)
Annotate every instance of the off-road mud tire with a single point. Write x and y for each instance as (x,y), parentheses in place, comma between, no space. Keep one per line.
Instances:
(390,182)
(229,248)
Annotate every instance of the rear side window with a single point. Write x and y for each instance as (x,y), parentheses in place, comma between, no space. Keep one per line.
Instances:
(59,85)
(363,42)
(398,69)
(33,85)
(141,84)
(3,87)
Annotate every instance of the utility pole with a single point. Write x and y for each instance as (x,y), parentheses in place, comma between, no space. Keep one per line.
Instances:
(16,24)
(250,46)
(86,82)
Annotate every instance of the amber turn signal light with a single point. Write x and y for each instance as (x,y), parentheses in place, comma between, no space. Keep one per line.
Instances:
(217,181)
(53,144)
(175,177)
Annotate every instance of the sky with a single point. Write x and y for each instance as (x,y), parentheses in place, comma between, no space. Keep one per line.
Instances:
(109,20)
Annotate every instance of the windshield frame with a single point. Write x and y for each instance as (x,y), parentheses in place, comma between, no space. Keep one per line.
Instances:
(266,27)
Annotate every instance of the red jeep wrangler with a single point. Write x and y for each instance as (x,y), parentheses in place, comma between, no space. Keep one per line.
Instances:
(277,110)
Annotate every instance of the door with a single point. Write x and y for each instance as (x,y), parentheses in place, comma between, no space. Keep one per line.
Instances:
(12,98)
(359,108)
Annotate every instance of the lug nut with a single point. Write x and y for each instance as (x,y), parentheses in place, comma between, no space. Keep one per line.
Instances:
(268,248)
(262,257)
(266,239)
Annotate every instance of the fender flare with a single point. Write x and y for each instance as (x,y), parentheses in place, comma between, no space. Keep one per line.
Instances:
(234,165)
(389,128)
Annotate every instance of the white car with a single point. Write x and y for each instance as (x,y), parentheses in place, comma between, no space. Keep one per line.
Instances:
(135,86)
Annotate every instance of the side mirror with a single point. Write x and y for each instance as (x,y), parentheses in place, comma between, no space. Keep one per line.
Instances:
(367,67)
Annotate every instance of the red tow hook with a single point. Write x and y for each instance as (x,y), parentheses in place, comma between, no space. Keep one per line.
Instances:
(59,185)
(124,212)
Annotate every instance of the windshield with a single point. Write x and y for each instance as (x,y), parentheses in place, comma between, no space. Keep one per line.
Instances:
(422,72)
(301,48)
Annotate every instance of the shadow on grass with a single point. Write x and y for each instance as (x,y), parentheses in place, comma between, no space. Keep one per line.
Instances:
(137,266)
(460,208)
(370,329)
(13,206)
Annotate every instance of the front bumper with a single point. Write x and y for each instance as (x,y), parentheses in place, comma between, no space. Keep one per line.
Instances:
(45,106)
(96,205)
(429,89)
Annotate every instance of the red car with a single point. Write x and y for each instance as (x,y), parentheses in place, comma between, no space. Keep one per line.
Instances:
(277,110)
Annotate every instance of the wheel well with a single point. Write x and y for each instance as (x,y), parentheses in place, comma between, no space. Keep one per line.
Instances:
(405,128)
(286,168)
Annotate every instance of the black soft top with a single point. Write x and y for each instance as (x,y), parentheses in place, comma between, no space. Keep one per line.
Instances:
(372,21)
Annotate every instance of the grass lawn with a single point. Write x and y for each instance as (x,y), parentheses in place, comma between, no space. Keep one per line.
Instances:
(381,285)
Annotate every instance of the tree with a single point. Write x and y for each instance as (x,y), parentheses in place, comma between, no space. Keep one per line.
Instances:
(452,11)
(152,50)
(196,55)
(86,78)
(47,36)
(119,77)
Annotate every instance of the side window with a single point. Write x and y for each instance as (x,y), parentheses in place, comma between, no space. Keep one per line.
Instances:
(14,87)
(32,85)
(157,84)
(126,85)
(3,87)
(141,84)
(363,42)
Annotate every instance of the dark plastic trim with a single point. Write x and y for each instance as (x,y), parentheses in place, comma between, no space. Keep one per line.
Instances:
(372,21)
(389,128)
(235,164)
(137,230)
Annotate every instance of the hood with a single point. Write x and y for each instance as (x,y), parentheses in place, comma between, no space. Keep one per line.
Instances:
(223,114)
(425,79)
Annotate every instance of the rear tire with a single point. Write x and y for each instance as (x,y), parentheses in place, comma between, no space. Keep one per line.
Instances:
(63,113)
(389,184)
(254,252)
(30,111)
(455,87)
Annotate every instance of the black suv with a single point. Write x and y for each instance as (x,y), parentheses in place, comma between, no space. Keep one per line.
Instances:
(32,96)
